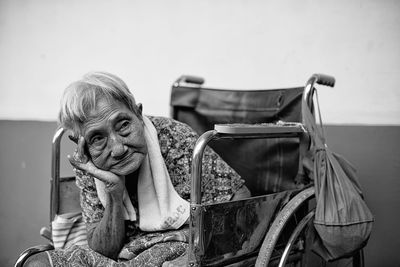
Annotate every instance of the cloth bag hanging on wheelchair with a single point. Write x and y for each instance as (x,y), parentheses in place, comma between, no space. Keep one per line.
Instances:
(343,222)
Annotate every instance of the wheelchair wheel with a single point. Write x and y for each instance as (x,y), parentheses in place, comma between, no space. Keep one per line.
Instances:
(279,223)
(267,248)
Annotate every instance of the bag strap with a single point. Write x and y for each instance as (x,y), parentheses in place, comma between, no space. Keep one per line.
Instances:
(316,132)
(321,126)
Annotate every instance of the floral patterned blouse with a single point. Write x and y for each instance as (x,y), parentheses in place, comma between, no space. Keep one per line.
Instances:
(177,140)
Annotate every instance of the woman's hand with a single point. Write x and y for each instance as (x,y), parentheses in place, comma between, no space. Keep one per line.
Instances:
(114,184)
(106,236)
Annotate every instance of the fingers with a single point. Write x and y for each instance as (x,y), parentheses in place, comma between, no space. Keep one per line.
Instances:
(81,156)
(105,176)
(88,168)
(73,139)
(82,163)
(77,164)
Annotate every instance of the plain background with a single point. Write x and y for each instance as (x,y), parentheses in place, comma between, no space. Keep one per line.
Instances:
(47,44)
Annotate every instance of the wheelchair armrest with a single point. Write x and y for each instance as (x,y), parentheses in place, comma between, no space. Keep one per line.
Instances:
(221,131)
(31,251)
(264,129)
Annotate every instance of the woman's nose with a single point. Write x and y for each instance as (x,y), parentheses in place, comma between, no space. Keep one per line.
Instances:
(118,149)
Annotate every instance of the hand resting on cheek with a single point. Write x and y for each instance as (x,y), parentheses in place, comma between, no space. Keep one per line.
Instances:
(81,162)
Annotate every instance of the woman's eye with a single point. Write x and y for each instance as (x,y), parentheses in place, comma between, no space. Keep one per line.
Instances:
(97,140)
(124,125)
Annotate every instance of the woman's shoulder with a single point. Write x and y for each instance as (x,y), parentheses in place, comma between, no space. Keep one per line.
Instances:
(175,138)
(170,126)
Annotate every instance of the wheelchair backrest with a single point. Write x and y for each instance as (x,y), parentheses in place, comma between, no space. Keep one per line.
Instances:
(267,165)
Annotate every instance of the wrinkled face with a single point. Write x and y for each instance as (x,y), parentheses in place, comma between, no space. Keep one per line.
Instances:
(114,138)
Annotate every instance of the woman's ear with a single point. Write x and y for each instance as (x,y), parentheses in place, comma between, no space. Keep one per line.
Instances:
(140,108)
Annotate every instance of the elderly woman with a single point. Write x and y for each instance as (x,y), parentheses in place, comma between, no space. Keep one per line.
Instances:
(134,175)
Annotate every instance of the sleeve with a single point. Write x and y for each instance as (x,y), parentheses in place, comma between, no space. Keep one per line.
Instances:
(92,209)
(219,180)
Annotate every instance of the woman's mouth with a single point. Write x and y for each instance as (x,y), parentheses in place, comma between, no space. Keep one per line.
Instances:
(122,156)
(127,164)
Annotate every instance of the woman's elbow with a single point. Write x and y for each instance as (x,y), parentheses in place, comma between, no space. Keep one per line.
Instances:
(101,246)
(242,193)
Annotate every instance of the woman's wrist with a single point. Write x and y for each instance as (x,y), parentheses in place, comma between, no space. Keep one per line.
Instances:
(115,191)
(115,198)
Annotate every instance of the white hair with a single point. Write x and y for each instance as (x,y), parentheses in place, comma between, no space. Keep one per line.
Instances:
(80,98)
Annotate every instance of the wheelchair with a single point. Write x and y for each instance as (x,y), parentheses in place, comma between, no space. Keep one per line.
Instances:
(260,134)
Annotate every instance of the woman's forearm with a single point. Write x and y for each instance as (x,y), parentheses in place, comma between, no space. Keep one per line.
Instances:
(108,236)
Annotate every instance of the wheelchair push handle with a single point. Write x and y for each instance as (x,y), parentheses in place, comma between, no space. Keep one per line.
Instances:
(189,79)
(322,79)
(318,78)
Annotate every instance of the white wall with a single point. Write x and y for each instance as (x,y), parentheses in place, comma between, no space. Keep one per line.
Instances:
(44,45)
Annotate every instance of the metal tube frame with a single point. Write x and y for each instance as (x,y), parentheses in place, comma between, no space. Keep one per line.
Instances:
(31,251)
(296,232)
(55,173)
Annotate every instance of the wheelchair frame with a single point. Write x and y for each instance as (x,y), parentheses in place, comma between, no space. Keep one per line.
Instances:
(196,241)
